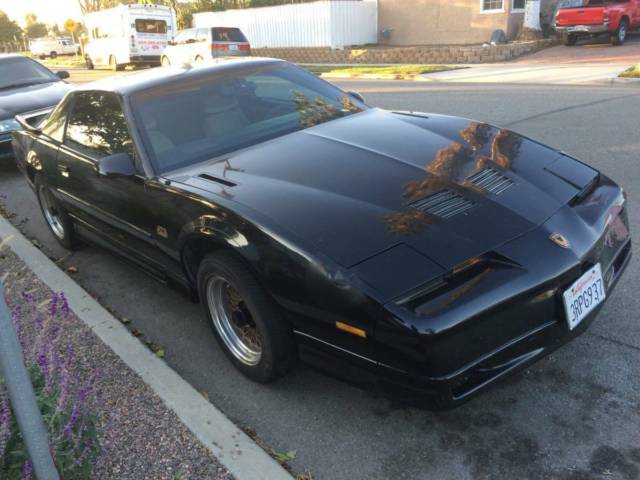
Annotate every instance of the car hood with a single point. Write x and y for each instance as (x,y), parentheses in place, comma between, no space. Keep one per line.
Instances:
(33,97)
(352,187)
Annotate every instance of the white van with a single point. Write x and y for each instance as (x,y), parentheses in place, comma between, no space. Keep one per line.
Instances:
(128,35)
(52,47)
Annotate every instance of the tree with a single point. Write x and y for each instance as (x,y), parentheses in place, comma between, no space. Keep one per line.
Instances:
(34,28)
(88,6)
(9,30)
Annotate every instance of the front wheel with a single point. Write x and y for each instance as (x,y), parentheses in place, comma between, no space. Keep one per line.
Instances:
(54,214)
(245,320)
(620,35)
(569,39)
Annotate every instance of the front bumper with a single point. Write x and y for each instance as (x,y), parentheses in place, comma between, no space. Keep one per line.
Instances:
(450,390)
(584,29)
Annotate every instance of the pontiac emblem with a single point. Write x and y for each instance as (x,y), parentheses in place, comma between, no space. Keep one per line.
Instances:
(560,240)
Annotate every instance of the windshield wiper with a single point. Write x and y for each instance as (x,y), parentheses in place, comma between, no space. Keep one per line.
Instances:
(25,84)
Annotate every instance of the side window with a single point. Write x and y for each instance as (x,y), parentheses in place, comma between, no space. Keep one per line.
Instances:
(203,35)
(97,126)
(54,125)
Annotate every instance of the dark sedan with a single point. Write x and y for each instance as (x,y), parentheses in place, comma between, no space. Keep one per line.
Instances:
(25,85)
(425,255)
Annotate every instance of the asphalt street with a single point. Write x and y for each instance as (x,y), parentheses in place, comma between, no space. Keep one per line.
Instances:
(573,416)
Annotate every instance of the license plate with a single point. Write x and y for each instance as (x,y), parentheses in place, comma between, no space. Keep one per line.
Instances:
(578,28)
(584,296)
(233,48)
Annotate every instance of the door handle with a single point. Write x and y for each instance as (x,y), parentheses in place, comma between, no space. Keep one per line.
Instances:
(64,171)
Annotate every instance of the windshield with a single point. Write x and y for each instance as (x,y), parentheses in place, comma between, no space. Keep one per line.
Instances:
(200,118)
(17,71)
(147,25)
(227,35)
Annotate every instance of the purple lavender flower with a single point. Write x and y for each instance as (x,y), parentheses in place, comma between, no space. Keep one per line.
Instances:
(73,419)
(53,305)
(27,471)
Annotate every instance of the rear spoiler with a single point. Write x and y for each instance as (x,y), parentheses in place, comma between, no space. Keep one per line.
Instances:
(30,121)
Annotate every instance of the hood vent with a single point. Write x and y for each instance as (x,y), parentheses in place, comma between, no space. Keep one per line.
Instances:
(444,204)
(491,180)
(221,181)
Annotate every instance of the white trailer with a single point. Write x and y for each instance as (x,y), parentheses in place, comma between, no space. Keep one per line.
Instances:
(128,35)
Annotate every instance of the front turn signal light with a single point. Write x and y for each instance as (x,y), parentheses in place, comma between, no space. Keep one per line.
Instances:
(358,332)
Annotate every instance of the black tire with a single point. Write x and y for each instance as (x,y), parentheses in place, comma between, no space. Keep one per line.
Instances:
(569,39)
(620,35)
(278,352)
(42,57)
(53,54)
(65,236)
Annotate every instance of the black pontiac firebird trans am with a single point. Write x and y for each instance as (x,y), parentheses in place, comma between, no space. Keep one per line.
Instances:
(424,254)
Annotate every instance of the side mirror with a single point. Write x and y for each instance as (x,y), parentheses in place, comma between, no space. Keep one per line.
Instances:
(116,165)
(62,74)
(357,96)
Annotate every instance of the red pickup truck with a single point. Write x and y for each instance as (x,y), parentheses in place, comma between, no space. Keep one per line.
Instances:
(579,18)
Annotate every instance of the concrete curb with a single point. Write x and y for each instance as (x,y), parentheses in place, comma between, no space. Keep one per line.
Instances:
(244,459)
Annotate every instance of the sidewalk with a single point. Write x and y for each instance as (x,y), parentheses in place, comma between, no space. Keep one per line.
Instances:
(154,424)
(560,74)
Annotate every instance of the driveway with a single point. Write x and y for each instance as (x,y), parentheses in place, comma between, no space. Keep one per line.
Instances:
(590,61)
(573,416)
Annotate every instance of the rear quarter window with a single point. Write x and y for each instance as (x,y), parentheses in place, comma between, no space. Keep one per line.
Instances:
(227,35)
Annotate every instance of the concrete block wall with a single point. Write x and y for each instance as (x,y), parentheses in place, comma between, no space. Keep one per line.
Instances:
(406,55)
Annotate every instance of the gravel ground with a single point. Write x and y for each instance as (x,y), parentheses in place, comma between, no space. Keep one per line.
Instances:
(144,439)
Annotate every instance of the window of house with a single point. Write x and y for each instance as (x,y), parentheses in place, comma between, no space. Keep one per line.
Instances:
(518,5)
(491,6)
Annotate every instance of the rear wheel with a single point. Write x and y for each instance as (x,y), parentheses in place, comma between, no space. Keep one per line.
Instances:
(165,62)
(245,320)
(620,35)
(54,214)
(53,54)
(569,39)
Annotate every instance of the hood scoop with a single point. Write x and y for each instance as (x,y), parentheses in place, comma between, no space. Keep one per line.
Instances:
(491,180)
(443,204)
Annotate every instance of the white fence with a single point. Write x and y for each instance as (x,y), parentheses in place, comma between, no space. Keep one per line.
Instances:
(334,24)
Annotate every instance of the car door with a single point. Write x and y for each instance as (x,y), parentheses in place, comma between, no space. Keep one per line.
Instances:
(111,210)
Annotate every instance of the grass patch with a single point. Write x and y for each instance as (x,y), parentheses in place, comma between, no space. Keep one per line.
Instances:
(398,70)
(633,72)
(67,61)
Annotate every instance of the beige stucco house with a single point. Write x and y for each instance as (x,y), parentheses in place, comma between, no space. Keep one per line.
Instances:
(436,22)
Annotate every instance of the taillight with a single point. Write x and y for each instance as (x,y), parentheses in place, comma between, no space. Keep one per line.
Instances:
(219,46)
(245,47)
(133,40)
(606,17)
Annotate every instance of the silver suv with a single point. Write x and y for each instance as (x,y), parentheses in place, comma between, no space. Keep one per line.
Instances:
(198,44)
